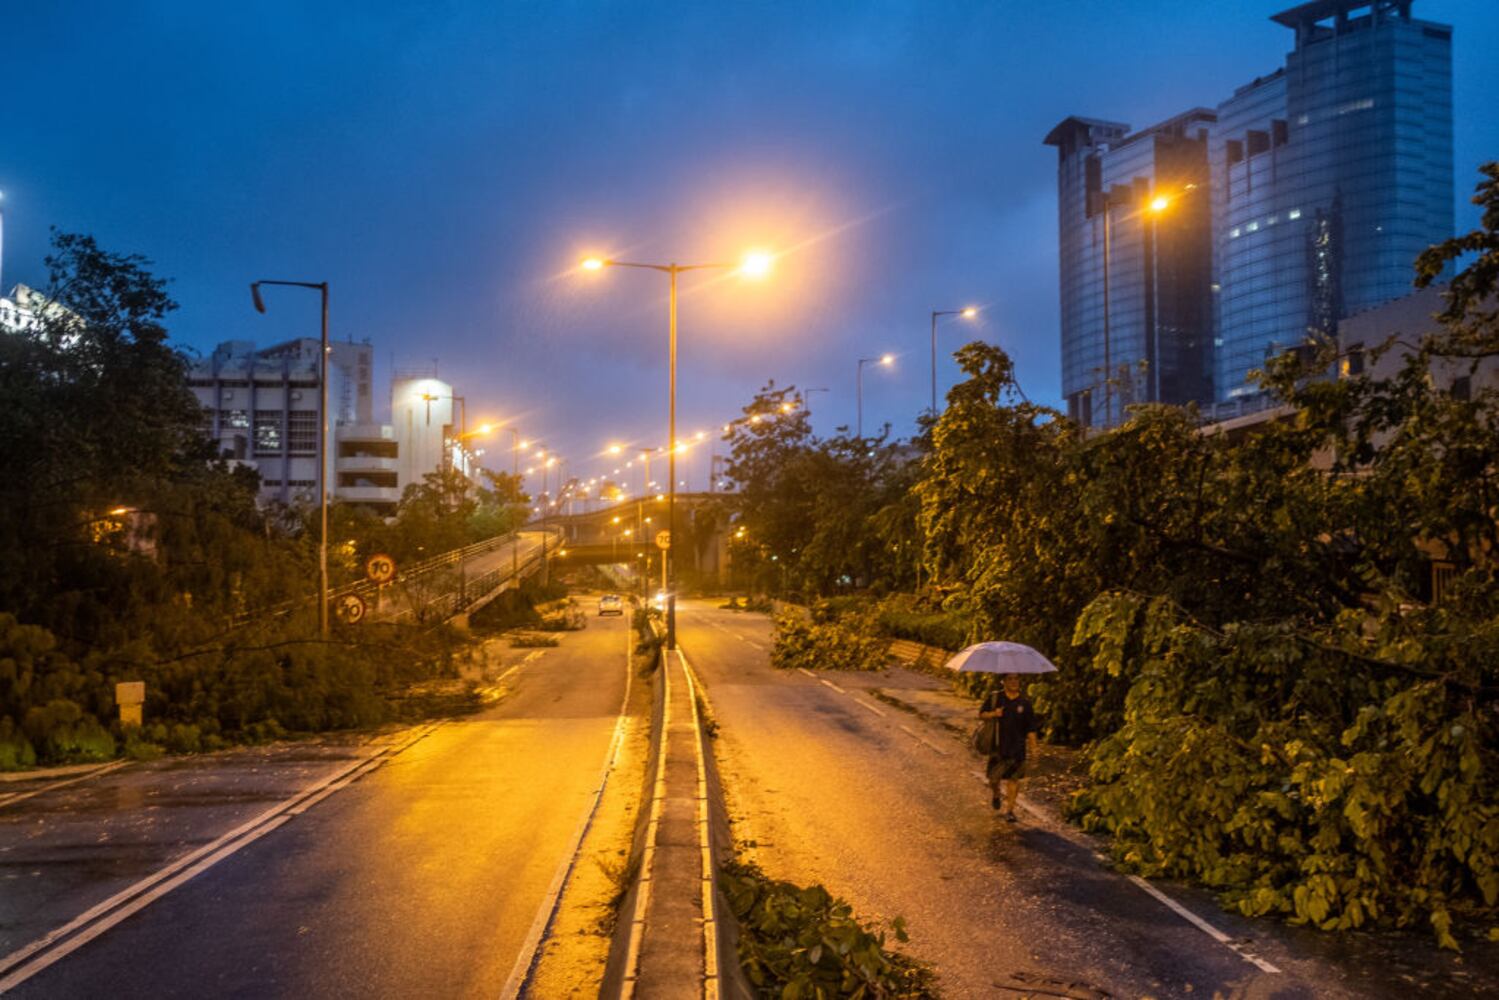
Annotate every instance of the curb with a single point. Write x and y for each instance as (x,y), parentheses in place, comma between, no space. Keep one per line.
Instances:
(674,927)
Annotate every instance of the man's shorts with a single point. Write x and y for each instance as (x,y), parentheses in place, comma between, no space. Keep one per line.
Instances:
(1006,768)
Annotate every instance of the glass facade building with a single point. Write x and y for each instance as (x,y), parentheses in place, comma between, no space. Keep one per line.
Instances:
(1311,192)
(1136,313)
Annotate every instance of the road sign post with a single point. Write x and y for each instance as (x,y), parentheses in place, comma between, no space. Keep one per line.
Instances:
(351,609)
(131,697)
(380,568)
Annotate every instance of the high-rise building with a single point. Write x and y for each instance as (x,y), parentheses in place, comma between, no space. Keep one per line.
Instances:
(1310,190)
(1152,268)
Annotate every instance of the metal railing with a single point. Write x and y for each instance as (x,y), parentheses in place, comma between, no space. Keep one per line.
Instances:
(367,589)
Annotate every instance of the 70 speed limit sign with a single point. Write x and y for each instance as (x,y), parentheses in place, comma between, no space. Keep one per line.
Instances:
(351,609)
(380,568)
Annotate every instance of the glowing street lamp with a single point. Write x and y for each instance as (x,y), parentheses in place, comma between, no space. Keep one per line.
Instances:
(967,312)
(754,264)
(885,361)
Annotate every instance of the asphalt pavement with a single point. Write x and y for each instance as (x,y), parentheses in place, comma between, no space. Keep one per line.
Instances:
(427,876)
(831,786)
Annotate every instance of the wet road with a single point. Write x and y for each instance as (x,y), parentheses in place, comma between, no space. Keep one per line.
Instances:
(423,877)
(884,810)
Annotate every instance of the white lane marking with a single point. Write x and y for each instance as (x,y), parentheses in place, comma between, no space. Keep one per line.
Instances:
(13,797)
(868,707)
(807,672)
(520,973)
(103,916)
(1204,926)
(830,684)
(136,905)
(1077,840)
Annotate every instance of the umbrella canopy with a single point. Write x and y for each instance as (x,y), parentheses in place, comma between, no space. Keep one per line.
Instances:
(1001,658)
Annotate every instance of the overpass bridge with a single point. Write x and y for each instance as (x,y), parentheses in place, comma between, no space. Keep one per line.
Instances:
(625,533)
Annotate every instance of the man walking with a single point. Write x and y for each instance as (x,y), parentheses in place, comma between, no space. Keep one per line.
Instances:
(1017,735)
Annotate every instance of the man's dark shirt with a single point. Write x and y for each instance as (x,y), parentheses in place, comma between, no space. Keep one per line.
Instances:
(1018,722)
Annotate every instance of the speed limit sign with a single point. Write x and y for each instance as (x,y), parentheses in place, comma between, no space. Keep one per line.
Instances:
(351,609)
(380,568)
(663,539)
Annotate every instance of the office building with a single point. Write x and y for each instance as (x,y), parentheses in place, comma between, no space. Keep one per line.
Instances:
(1152,268)
(1311,190)
(262,407)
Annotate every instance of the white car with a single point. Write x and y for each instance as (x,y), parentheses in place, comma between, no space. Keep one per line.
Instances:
(611,604)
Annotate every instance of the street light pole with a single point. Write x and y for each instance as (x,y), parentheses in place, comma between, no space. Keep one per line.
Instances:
(515,484)
(755,265)
(322,440)
(885,359)
(967,312)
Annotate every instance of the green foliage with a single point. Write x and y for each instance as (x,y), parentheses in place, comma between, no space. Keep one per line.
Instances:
(825,643)
(1308,726)
(800,943)
(819,515)
(900,617)
(1342,777)
(16,751)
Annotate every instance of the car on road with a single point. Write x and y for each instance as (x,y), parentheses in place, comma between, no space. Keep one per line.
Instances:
(611,604)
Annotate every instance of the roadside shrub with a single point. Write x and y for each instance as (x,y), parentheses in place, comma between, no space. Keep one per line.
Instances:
(65,732)
(532,640)
(827,645)
(15,749)
(897,617)
(797,942)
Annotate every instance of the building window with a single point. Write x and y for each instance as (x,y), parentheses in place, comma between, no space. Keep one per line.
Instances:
(267,431)
(301,432)
(1462,388)
(1294,214)
(235,419)
(270,484)
(1235,150)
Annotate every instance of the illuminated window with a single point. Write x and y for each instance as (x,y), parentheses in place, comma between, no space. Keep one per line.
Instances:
(1294,213)
(267,432)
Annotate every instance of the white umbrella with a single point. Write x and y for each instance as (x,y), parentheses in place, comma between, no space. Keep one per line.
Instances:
(1000,658)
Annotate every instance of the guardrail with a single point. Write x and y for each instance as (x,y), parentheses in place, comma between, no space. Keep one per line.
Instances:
(367,589)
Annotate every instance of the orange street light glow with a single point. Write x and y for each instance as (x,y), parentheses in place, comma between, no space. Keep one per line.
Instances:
(593,264)
(887,360)
(1160,203)
(756,264)
(969,312)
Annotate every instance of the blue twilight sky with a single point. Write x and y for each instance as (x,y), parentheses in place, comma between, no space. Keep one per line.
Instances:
(443,164)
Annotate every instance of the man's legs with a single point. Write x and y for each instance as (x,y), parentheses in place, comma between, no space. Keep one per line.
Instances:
(1012,792)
